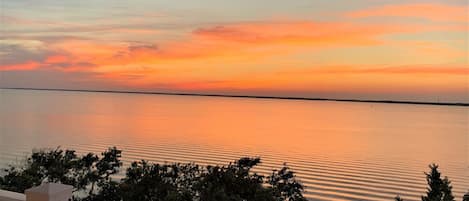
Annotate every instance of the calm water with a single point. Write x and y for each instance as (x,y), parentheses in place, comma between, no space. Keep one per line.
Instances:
(340,151)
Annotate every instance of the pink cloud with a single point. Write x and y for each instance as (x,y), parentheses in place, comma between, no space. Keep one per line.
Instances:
(30,65)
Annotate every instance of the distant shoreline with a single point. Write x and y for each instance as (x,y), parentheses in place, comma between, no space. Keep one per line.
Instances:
(248,96)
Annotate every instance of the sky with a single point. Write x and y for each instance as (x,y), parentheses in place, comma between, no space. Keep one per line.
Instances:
(362,49)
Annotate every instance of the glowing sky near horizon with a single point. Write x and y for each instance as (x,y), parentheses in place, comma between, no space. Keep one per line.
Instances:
(370,49)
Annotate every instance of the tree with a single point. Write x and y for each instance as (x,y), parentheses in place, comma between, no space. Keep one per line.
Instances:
(187,182)
(233,182)
(438,189)
(63,167)
(146,181)
(92,176)
(108,192)
(466,197)
(42,166)
(285,186)
(104,168)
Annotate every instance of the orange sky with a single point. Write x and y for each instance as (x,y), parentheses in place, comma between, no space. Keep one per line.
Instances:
(405,50)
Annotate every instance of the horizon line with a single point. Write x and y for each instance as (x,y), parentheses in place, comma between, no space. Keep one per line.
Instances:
(247,96)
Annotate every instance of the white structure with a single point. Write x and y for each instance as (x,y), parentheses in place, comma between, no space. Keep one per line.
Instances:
(11,196)
(45,192)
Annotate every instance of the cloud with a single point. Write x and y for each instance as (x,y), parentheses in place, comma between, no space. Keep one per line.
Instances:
(142,47)
(219,44)
(309,33)
(428,11)
(23,21)
(413,69)
(57,59)
(21,54)
(236,56)
(290,33)
(233,40)
(30,65)
(50,78)
(240,38)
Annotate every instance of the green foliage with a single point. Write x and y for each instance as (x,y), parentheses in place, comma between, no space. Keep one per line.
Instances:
(233,182)
(285,186)
(146,181)
(466,197)
(91,175)
(438,189)
(65,167)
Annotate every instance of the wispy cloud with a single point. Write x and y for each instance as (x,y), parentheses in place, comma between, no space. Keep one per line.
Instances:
(450,69)
(428,11)
(21,66)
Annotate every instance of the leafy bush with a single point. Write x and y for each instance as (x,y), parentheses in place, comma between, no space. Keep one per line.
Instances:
(91,177)
(64,167)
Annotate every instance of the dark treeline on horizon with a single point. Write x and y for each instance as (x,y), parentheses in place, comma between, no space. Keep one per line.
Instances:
(252,96)
(91,177)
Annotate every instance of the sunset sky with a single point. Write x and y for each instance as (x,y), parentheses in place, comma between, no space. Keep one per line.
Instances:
(369,49)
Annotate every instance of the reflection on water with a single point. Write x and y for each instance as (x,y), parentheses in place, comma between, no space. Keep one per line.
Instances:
(340,151)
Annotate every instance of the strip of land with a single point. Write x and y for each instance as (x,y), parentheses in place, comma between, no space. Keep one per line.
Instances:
(249,96)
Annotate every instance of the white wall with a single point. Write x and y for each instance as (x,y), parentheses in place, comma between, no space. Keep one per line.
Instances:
(44,192)
(11,196)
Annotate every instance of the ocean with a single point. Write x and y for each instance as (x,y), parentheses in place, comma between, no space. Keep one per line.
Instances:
(339,150)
